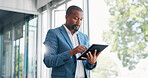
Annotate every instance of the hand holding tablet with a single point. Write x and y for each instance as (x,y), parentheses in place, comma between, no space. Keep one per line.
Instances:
(92,48)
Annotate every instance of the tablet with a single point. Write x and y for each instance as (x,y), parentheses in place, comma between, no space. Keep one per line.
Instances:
(92,48)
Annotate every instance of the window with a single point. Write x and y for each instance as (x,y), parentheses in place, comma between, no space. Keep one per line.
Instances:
(25,51)
(58,16)
(6,53)
(118,62)
(18,47)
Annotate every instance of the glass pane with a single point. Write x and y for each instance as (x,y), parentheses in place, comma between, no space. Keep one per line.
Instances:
(21,59)
(21,56)
(32,49)
(59,18)
(6,60)
(24,58)
(44,25)
(19,71)
(1,51)
(16,60)
(44,70)
(62,7)
(76,2)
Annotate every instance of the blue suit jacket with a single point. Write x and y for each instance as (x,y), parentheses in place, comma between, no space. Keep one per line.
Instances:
(57,54)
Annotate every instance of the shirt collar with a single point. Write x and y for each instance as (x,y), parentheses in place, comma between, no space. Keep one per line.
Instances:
(69,31)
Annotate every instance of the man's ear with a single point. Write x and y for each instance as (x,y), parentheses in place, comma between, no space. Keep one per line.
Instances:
(66,16)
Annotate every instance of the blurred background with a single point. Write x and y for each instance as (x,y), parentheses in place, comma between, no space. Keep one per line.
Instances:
(122,24)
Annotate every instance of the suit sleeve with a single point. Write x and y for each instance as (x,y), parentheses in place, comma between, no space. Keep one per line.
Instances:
(51,57)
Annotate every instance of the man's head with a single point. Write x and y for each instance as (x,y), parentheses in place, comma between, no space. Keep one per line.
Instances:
(74,16)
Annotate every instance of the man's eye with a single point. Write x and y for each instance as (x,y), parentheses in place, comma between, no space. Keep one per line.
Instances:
(76,18)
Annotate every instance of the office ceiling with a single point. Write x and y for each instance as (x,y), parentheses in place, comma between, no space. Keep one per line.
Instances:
(4,14)
(7,17)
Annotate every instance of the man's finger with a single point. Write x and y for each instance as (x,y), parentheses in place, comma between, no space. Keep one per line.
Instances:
(95,53)
(84,58)
(90,54)
(98,54)
(84,48)
(88,57)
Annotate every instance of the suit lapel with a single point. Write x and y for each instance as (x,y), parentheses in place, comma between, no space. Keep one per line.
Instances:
(65,34)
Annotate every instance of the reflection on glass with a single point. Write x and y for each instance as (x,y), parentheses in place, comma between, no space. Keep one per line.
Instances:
(18,49)
(7,48)
(32,49)
(58,16)
(61,20)
(21,60)
(25,52)
(1,49)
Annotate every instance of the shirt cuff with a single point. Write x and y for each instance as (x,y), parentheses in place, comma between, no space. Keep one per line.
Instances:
(92,65)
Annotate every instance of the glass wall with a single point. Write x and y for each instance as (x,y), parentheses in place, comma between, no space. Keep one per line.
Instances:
(18,48)
(1,48)
(0,52)
(32,61)
(25,52)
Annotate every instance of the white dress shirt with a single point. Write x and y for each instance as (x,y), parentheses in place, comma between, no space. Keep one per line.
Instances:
(80,73)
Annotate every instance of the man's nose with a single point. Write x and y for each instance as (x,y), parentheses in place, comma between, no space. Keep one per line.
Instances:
(78,22)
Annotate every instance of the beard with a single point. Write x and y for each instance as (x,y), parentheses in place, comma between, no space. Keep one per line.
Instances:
(74,27)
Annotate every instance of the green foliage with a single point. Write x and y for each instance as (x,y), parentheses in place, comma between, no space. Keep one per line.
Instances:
(128,32)
(18,66)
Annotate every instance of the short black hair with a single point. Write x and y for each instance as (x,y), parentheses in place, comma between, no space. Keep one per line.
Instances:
(69,10)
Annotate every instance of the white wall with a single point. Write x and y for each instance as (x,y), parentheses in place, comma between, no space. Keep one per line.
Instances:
(24,6)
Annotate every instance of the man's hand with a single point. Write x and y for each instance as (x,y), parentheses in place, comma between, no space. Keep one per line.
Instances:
(78,49)
(91,58)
